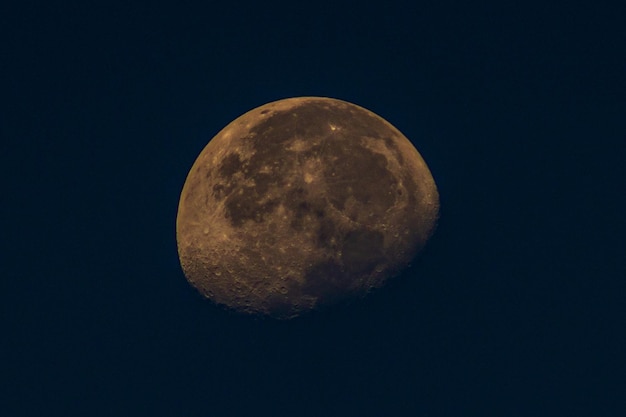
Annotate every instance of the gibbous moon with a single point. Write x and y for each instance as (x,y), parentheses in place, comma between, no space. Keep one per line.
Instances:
(302,203)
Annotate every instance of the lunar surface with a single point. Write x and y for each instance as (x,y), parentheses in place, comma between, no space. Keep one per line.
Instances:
(302,203)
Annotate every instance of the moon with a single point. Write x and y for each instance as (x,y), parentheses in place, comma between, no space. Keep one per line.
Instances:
(302,203)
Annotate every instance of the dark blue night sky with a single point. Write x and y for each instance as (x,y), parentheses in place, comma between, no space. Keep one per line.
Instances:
(517,307)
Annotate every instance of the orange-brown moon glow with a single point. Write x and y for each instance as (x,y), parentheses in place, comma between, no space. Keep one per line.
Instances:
(301,203)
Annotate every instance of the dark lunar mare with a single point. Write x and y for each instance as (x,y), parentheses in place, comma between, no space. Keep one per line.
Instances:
(360,249)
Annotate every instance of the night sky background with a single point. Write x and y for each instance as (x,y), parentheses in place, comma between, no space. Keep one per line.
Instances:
(517,307)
